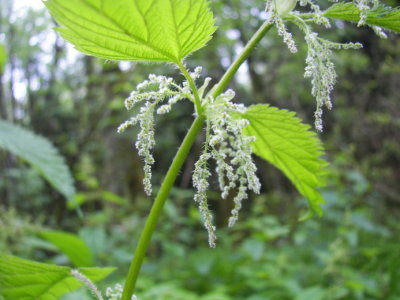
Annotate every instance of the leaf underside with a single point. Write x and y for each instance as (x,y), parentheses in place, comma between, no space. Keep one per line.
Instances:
(385,17)
(135,30)
(289,145)
(40,153)
(27,280)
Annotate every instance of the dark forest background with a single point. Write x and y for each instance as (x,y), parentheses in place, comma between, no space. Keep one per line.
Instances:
(76,101)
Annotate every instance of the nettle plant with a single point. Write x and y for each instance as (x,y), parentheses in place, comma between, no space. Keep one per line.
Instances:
(168,31)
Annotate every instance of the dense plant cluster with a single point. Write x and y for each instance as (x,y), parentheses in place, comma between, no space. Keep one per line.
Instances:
(136,31)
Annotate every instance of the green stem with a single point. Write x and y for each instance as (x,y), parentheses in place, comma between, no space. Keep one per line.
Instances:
(157,207)
(227,78)
(197,100)
(180,158)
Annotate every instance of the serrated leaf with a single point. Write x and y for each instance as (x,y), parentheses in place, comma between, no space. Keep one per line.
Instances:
(3,58)
(135,30)
(383,16)
(40,153)
(27,280)
(286,143)
(71,245)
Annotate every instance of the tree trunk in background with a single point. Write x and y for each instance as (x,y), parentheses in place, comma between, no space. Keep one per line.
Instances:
(11,61)
(3,110)
(51,89)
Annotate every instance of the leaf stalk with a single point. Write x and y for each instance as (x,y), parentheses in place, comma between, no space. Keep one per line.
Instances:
(197,100)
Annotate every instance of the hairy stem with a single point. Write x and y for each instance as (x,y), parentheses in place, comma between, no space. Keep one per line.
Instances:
(157,207)
(180,158)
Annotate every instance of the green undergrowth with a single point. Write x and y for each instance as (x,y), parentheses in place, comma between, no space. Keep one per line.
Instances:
(351,253)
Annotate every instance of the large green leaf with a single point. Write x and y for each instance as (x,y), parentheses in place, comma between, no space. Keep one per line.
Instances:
(40,153)
(144,30)
(71,245)
(385,17)
(3,58)
(285,142)
(27,280)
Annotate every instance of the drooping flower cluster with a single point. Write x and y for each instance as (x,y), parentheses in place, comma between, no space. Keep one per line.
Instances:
(379,31)
(365,6)
(321,70)
(231,150)
(226,143)
(318,17)
(200,183)
(276,9)
(286,36)
(150,94)
(114,293)
(88,283)
(319,66)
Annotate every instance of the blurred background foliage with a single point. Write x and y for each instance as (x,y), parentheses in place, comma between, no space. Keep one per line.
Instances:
(352,252)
